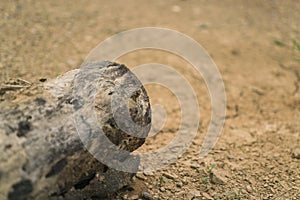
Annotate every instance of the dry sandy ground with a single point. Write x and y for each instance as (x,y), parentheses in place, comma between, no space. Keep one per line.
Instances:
(256,46)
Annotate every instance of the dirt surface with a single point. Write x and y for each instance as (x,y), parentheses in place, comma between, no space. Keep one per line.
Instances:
(256,46)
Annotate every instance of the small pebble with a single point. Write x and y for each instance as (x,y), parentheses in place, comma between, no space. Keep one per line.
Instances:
(147,196)
(249,188)
(207,196)
(215,178)
(195,166)
(170,176)
(141,176)
(296,153)
(148,173)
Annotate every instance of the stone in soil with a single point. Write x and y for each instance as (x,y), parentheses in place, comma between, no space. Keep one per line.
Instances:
(206,196)
(147,196)
(170,176)
(249,188)
(296,153)
(216,178)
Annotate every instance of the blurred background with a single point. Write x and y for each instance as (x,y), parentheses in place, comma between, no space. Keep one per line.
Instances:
(256,46)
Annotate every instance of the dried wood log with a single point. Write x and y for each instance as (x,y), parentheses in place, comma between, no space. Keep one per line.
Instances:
(41,153)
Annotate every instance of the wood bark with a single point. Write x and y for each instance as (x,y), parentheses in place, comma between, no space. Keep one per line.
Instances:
(41,153)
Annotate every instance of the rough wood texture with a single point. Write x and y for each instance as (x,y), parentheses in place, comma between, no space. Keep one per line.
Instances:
(42,156)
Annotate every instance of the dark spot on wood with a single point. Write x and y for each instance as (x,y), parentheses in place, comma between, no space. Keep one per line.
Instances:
(23,128)
(147,117)
(105,168)
(49,112)
(110,93)
(134,114)
(69,100)
(8,146)
(136,95)
(1,174)
(84,182)
(25,166)
(77,103)
(118,71)
(40,101)
(112,123)
(57,167)
(20,190)
(43,80)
